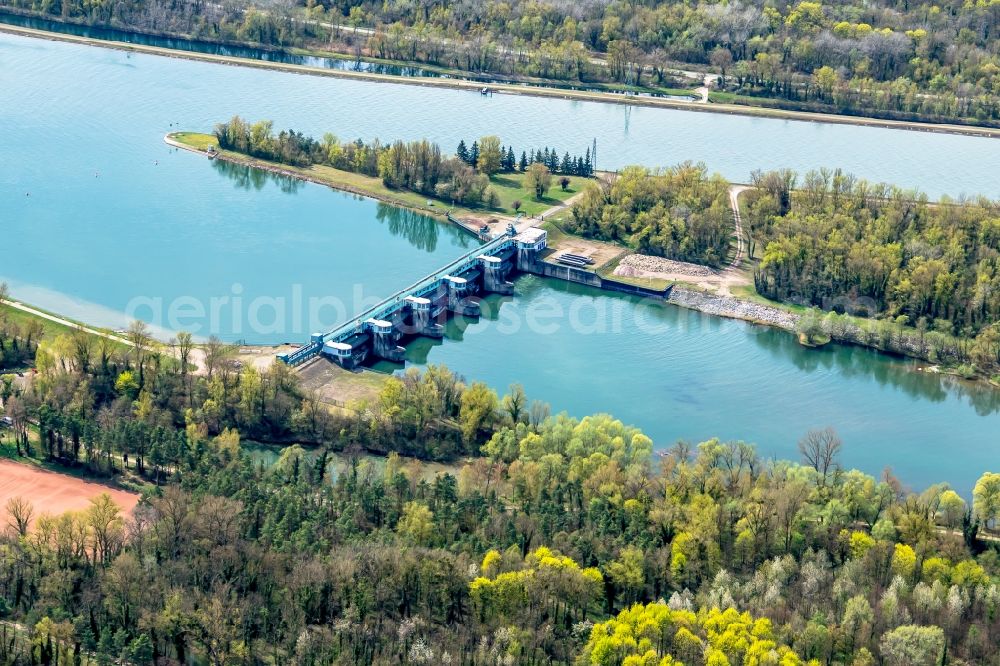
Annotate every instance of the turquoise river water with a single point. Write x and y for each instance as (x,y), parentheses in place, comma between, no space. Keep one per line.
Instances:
(100,220)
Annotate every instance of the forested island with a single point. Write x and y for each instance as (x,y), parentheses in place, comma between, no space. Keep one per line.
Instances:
(918,61)
(843,244)
(545,539)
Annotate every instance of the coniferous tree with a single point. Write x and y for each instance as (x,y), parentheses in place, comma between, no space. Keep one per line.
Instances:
(463,152)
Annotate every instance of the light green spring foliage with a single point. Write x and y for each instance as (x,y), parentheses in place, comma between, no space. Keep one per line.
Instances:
(416,523)
(557,578)
(861,543)
(655,635)
(580,449)
(952,508)
(966,574)
(912,645)
(904,561)
(986,498)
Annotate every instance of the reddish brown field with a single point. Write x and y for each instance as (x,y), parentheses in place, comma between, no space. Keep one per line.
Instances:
(53,493)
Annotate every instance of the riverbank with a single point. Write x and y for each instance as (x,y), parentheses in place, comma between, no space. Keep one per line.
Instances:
(516,89)
(894,339)
(50,325)
(509,187)
(732,307)
(344,181)
(730,293)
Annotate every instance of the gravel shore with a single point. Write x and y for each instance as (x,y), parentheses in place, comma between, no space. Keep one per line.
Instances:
(734,308)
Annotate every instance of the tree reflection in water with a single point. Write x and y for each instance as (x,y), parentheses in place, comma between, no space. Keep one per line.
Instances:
(422,231)
(251,178)
(886,369)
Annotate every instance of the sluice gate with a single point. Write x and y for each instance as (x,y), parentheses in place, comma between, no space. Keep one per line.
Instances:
(421,308)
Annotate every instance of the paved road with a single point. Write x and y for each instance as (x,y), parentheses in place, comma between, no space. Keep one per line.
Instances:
(555,209)
(65,322)
(197,356)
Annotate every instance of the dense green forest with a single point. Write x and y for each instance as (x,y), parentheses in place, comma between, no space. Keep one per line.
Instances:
(880,266)
(919,60)
(18,343)
(840,243)
(680,213)
(548,540)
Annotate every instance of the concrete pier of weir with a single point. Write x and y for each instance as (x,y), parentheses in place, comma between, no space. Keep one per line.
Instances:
(422,308)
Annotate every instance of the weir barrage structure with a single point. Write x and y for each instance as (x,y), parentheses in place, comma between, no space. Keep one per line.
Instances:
(419,310)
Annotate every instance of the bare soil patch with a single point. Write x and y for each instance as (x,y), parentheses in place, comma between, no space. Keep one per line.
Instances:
(259,356)
(336,386)
(54,493)
(262,356)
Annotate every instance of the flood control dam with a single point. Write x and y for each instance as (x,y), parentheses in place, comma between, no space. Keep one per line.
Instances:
(420,309)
